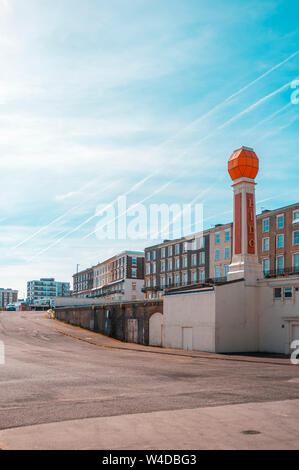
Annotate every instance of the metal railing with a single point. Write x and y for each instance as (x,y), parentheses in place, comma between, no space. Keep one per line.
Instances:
(289,271)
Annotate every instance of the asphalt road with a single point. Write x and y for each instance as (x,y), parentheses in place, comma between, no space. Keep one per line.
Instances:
(49,377)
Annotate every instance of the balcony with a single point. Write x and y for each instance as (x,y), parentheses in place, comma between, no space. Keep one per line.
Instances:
(282,272)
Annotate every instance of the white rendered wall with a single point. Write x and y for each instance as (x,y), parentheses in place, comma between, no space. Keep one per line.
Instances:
(236,318)
(196,310)
(277,316)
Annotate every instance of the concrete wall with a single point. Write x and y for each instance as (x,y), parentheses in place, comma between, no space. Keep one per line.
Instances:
(236,318)
(196,311)
(113,319)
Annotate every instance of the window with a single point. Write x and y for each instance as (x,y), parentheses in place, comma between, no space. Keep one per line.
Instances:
(202,242)
(162,282)
(280,264)
(202,276)
(148,256)
(202,258)
(134,261)
(170,265)
(177,279)
(266,225)
(296,217)
(177,249)
(280,241)
(277,293)
(265,244)
(185,247)
(194,259)
(170,280)
(154,267)
(185,279)
(227,253)
(163,252)
(154,254)
(217,255)
(194,244)
(217,238)
(170,250)
(280,221)
(288,292)
(177,263)
(148,268)
(185,262)
(148,283)
(226,270)
(194,276)
(296,263)
(227,235)
(134,272)
(154,282)
(296,238)
(217,272)
(163,266)
(266,266)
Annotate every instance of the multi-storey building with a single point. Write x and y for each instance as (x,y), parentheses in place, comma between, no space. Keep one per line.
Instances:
(8,296)
(278,240)
(120,277)
(175,263)
(46,289)
(83,283)
(220,250)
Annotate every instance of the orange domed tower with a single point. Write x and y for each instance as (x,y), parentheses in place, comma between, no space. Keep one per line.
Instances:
(243,167)
(243,164)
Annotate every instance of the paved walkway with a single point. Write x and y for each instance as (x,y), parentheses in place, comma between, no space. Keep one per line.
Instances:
(106,342)
(223,427)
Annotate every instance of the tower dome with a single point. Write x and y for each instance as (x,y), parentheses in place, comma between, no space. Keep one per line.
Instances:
(243,163)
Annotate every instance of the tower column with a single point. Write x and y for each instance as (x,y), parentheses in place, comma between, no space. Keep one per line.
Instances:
(243,167)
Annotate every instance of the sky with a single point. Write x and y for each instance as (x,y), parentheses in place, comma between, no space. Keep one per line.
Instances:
(140,99)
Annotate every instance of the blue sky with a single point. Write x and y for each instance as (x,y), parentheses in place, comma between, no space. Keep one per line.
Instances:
(96,95)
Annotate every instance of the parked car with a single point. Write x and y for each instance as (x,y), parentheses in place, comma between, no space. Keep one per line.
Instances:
(11,307)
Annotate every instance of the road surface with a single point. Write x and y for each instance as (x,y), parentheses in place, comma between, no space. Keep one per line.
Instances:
(60,391)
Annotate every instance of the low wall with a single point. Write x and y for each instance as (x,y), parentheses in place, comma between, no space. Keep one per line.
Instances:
(128,321)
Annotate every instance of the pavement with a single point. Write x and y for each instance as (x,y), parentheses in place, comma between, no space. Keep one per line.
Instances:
(63,387)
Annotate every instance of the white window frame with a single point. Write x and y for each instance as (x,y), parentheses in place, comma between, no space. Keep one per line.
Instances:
(263,244)
(277,217)
(295,231)
(277,238)
(267,219)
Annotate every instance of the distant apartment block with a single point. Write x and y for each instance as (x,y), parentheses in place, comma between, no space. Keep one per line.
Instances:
(120,277)
(45,289)
(7,296)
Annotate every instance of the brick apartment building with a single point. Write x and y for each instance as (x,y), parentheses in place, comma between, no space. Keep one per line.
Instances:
(118,278)
(82,283)
(7,296)
(175,263)
(278,240)
(278,251)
